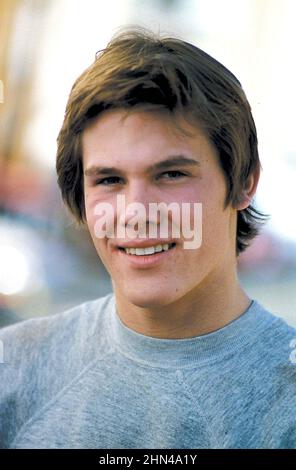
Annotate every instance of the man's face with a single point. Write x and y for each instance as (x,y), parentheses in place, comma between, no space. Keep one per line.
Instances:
(133,147)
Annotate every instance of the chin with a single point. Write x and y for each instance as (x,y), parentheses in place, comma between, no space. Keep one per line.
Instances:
(150,299)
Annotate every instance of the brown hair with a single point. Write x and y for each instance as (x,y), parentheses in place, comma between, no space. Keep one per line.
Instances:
(140,70)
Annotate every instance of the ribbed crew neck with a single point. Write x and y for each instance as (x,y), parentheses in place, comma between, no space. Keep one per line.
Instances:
(188,351)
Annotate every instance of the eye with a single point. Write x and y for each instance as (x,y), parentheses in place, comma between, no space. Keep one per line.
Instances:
(110,180)
(174,174)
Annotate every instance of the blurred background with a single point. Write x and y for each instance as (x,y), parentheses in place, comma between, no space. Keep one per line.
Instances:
(47,263)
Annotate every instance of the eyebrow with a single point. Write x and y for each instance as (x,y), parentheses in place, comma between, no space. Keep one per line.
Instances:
(170,162)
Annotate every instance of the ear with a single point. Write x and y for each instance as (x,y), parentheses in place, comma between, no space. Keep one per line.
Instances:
(249,190)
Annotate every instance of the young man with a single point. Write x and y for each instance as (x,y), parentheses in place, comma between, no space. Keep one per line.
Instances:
(178,356)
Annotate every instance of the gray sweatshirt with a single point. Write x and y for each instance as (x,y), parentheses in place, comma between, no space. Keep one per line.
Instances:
(83,379)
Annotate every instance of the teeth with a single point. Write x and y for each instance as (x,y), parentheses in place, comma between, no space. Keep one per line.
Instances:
(147,251)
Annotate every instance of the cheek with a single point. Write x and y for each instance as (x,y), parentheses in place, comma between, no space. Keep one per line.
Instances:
(90,217)
(97,213)
(215,220)
(89,206)
(216,235)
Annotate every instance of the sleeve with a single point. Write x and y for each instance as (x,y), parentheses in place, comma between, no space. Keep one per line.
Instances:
(11,377)
(23,355)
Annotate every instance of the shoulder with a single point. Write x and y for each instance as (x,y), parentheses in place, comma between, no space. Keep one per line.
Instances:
(29,335)
(280,340)
(274,336)
(275,374)
(274,347)
(40,356)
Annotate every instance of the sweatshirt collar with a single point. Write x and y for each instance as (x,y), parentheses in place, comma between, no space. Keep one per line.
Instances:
(192,351)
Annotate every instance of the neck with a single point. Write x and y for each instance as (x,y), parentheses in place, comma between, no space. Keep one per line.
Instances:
(207,308)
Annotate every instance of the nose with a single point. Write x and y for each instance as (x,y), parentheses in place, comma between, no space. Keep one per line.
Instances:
(134,206)
(139,191)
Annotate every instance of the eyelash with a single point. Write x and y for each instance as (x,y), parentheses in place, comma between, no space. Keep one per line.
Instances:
(102,181)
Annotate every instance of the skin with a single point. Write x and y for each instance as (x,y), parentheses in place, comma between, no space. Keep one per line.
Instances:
(196,291)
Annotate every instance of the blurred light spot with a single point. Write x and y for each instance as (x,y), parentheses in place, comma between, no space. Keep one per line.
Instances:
(14,271)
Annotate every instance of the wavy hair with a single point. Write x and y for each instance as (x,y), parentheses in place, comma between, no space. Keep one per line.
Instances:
(139,70)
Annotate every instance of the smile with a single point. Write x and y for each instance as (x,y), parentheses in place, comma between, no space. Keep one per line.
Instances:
(155,255)
(149,250)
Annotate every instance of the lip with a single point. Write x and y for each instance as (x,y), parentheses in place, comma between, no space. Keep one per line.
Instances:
(137,243)
(147,261)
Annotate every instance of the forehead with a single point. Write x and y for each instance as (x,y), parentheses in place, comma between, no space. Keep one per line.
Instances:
(141,136)
(125,120)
